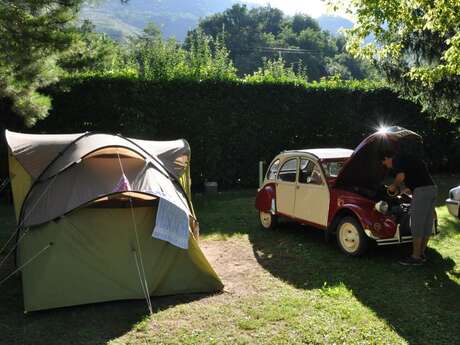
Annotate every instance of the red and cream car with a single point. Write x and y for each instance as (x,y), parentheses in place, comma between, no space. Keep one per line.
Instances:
(341,191)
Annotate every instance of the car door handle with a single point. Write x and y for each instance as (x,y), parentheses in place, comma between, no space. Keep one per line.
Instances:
(297,187)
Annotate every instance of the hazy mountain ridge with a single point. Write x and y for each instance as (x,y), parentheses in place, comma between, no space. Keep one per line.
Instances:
(174,17)
(334,24)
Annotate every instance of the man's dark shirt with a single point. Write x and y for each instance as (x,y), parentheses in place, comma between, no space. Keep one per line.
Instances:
(414,169)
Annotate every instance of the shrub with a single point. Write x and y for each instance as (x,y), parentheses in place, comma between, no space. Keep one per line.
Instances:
(276,72)
(231,126)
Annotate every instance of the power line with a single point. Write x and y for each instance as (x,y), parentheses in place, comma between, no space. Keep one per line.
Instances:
(279,50)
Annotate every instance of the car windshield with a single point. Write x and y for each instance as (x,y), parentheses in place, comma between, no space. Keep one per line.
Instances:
(332,169)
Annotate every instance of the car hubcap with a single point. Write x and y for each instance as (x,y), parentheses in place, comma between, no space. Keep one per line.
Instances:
(349,237)
(266,219)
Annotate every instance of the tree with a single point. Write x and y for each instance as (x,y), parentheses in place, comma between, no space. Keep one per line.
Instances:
(155,59)
(344,66)
(417,44)
(32,34)
(205,58)
(208,58)
(301,22)
(261,33)
(275,71)
(242,34)
(92,51)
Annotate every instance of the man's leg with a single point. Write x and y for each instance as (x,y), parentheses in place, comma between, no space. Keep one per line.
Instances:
(424,245)
(421,219)
(429,220)
(417,246)
(415,259)
(417,212)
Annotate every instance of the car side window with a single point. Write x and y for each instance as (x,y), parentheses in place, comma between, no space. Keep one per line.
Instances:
(332,169)
(306,168)
(309,172)
(271,174)
(288,171)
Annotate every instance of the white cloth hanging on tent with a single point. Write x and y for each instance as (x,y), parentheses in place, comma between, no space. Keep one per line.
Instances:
(171,224)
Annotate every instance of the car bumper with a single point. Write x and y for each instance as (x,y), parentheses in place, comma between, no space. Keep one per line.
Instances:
(398,238)
(453,206)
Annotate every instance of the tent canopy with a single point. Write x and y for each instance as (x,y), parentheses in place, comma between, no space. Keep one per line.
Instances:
(70,170)
(55,152)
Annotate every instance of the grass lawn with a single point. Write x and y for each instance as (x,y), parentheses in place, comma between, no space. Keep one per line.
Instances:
(281,287)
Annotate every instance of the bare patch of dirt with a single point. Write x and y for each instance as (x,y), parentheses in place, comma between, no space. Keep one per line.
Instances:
(235,263)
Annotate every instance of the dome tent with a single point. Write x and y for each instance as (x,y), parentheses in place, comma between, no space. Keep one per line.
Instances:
(87,205)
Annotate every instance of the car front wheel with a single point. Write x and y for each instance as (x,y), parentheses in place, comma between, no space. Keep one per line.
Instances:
(267,220)
(351,237)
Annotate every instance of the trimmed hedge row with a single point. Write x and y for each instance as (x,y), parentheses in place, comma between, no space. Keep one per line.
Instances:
(231,126)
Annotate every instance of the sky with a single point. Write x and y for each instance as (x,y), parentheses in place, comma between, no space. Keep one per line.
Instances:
(314,8)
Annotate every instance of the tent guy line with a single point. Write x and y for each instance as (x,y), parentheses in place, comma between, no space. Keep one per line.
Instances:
(143,283)
(19,227)
(143,279)
(25,264)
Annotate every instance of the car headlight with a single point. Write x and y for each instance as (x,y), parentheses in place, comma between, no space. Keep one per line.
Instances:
(382,206)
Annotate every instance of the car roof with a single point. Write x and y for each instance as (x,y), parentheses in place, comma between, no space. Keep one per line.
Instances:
(333,153)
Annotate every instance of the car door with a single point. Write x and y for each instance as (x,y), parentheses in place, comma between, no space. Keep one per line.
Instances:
(285,186)
(312,193)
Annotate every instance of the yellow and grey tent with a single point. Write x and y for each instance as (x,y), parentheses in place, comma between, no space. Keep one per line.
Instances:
(88,206)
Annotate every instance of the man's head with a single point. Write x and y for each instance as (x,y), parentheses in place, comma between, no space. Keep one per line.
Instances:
(386,157)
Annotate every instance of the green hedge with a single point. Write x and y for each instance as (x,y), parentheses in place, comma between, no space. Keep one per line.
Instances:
(232,125)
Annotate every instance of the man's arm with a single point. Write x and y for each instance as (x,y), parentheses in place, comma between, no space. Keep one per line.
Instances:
(399,179)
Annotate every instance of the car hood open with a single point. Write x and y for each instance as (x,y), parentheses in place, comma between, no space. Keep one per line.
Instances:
(364,168)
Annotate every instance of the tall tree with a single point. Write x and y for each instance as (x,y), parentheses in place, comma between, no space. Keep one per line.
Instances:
(417,43)
(256,35)
(205,58)
(32,33)
(242,34)
(92,51)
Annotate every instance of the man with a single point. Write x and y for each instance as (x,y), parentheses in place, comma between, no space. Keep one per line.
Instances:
(412,173)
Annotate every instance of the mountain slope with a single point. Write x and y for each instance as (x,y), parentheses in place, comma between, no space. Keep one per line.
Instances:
(334,24)
(174,17)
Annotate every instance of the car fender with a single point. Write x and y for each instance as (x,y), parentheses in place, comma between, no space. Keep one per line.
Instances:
(369,220)
(351,210)
(265,197)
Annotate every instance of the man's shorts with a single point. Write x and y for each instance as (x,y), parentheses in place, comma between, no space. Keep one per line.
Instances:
(422,211)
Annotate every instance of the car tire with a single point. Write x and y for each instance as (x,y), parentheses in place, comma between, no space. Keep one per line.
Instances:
(267,220)
(351,237)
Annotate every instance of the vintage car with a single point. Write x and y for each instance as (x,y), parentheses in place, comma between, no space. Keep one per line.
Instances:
(453,202)
(340,191)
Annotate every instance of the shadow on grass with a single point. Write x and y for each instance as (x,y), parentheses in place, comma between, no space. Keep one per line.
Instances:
(420,303)
(93,324)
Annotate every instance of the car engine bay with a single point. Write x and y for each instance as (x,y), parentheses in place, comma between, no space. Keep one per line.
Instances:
(396,206)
